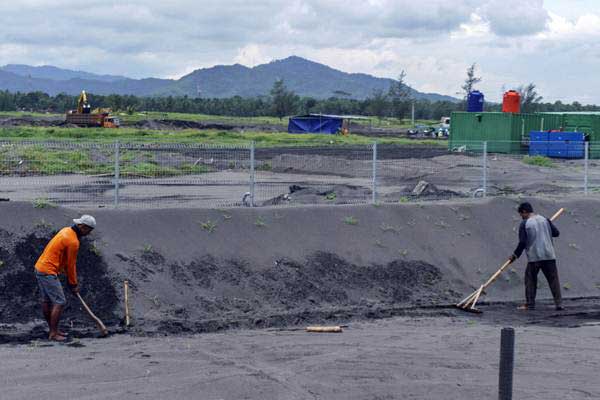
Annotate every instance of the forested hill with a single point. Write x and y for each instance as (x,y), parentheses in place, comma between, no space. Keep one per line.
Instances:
(304,77)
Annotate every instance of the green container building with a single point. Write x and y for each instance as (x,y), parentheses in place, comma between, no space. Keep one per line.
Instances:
(504,132)
(586,122)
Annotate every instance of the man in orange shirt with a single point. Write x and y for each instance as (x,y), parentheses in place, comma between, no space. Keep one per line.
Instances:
(60,256)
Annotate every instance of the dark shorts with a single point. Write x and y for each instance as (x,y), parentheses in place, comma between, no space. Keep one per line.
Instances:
(51,289)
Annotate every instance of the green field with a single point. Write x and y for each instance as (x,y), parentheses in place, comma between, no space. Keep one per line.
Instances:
(37,159)
(391,123)
(216,137)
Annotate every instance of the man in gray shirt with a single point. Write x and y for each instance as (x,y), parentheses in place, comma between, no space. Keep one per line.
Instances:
(535,237)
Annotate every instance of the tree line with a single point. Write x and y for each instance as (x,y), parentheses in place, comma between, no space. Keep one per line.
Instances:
(397,102)
(280,103)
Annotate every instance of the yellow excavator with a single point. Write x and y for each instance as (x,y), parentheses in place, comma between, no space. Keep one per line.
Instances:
(83,115)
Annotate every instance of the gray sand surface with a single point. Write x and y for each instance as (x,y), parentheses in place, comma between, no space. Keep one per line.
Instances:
(401,358)
(251,279)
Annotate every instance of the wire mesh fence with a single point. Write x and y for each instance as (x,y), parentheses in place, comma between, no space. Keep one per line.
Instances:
(89,175)
(313,175)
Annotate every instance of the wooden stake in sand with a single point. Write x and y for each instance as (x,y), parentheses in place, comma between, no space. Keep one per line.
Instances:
(324,329)
(126,289)
(469,302)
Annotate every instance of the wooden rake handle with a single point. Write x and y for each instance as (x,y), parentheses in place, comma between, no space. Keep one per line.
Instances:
(97,320)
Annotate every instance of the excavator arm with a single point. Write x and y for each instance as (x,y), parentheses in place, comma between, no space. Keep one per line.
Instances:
(82,102)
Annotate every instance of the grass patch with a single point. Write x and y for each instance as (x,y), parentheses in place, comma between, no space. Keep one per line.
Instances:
(264,167)
(215,137)
(43,202)
(94,249)
(38,160)
(209,226)
(350,220)
(539,161)
(260,222)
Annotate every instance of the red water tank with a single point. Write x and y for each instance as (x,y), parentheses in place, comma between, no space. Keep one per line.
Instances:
(511,102)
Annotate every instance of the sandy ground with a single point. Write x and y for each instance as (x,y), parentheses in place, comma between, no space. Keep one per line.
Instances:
(331,178)
(401,358)
(220,272)
(199,270)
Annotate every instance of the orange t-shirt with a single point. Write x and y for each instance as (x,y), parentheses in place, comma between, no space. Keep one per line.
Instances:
(60,255)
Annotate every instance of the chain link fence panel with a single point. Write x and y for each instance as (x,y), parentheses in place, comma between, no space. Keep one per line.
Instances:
(89,175)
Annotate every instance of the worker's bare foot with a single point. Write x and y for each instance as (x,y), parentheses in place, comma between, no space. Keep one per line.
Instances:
(61,333)
(525,307)
(57,338)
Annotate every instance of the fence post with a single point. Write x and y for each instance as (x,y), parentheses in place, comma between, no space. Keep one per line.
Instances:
(374,197)
(117,173)
(585,167)
(507,359)
(485,172)
(252,174)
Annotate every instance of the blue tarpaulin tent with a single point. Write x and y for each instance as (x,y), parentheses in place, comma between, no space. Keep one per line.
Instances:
(314,123)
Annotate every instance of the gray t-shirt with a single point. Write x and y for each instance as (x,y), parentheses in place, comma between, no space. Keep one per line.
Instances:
(535,236)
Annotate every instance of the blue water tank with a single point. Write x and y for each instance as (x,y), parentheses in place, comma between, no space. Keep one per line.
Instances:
(475,101)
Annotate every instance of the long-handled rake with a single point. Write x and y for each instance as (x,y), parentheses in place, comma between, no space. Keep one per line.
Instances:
(469,303)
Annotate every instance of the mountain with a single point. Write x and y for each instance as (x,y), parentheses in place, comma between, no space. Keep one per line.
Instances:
(57,74)
(304,77)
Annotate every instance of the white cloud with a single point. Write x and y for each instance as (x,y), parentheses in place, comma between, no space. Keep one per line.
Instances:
(513,41)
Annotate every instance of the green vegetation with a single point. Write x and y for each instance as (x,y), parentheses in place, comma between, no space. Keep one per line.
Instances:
(94,249)
(350,220)
(279,103)
(43,202)
(209,226)
(39,160)
(147,248)
(189,136)
(331,196)
(92,152)
(260,222)
(539,161)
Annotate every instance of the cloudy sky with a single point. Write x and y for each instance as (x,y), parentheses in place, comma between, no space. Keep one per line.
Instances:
(553,43)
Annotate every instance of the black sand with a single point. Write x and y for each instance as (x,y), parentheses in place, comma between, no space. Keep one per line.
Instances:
(211,270)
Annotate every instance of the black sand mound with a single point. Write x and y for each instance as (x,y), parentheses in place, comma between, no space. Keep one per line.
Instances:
(198,270)
(19,294)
